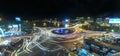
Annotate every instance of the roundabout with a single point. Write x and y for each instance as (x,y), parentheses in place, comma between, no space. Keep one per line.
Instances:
(62,31)
(54,39)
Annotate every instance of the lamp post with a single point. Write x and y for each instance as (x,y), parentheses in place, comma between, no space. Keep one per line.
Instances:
(18,19)
(34,24)
(75,44)
(76,47)
(0,19)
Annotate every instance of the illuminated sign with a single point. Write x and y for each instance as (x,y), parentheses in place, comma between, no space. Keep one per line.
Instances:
(15,26)
(114,20)
(17,18)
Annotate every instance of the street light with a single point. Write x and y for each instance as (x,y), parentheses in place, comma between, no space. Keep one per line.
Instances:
(76,47)
(66,23)
(0,19)
(18,19)
(88,17)
(34,25)
(66,20)
(44,24)
(75,44)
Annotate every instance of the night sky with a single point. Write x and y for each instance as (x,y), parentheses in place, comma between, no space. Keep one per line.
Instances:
(50,8)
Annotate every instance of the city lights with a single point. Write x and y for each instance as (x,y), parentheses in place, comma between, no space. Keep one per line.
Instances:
(34,24)
(66,26)
(107,18)
(17,18)
(2,35)
(114,20)
(47,37)
(0,19)
(60,28)
(66,20)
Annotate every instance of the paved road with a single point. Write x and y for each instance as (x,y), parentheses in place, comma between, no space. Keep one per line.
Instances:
(65,41)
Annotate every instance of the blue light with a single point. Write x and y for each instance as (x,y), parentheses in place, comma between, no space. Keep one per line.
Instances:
(82,52)
(61,31)
(15,26)
(17,18)
(114,20)
(66,20)
(66,25)
(2,33)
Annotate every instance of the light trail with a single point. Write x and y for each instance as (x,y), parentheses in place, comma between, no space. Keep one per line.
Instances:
(27,44)
(2,33)
(43,36)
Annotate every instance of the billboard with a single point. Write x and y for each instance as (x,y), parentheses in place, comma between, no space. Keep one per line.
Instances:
(114,20)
